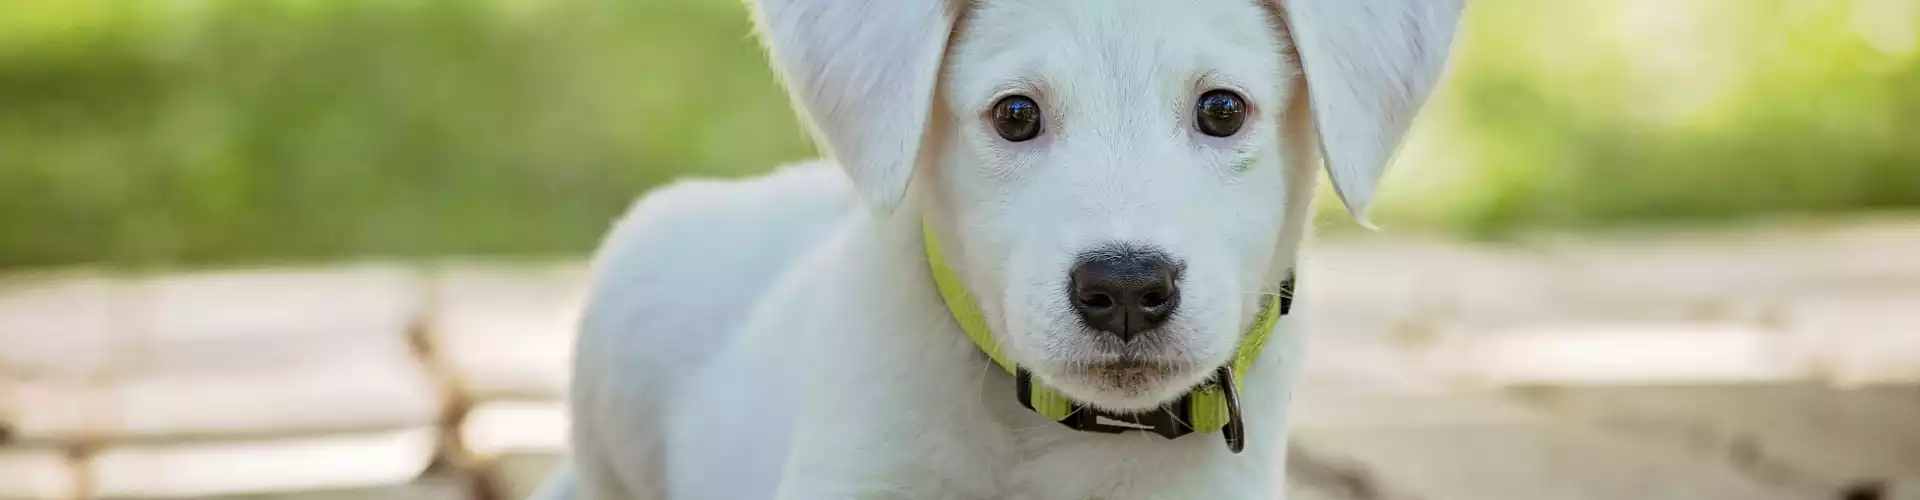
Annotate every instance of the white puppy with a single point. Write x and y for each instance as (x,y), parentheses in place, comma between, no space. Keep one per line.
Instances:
(1108,196)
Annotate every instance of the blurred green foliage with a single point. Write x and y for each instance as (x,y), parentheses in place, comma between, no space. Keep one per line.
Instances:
(152,132)
(1594,113)
(190,131)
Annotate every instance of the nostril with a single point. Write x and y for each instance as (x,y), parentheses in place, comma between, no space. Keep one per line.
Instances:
(1097,300)
(1153,298)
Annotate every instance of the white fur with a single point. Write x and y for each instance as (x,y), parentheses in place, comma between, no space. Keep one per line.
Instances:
(840,58)
(1370,65)
(763,338)
(672,282)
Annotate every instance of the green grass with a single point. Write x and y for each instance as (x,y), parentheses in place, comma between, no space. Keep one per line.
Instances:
(220,131)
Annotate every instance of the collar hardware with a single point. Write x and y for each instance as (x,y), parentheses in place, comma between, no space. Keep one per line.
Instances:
(1170,421)
(1235,431)
(1212,406)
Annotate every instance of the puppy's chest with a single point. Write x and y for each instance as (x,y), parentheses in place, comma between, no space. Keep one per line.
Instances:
(1122,467)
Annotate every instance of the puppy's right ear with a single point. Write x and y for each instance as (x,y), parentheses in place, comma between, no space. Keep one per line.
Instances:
(862,74)
(1369,66)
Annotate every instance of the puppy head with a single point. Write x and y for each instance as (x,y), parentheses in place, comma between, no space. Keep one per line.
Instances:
(1114,185)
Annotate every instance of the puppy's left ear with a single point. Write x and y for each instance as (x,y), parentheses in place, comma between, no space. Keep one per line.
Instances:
(1369,67)
(862,73)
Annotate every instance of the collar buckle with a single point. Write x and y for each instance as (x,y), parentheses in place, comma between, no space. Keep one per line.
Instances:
(1171,421)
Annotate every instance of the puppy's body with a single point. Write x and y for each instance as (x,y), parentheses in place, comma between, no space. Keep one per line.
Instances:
(782,337)
(852,340)
(673,282)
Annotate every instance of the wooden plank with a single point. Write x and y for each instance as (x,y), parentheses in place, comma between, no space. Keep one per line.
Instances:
(253,319)
(348,395)
(1847,342)
(1491,452)
(35,474)
(498,298)
(1319,408)
(1623,353)
(1802,433)
(1866,337)
(1336,363)
(425,489)
(1396,282)
(218,355)
(523,472)
(513,427)
(206,354)
(95,327)
(1314,476)
(524,367)
(58,326)
(508,330)
(1533,462)
(307,464)
(1720,276)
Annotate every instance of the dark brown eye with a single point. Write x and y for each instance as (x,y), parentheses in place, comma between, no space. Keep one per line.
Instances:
(1220,113)
(1017,118)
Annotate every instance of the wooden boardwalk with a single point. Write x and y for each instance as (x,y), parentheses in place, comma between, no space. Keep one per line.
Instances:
(1775,364)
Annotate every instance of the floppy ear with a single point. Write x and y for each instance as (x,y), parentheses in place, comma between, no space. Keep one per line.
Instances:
(1369,66)
(862,74)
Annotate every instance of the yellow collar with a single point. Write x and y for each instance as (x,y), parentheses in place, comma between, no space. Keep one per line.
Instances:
(1210,407)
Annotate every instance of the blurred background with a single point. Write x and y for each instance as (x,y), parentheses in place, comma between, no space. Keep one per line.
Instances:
(331,249)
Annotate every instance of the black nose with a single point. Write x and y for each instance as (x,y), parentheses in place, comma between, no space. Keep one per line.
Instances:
(1125,291)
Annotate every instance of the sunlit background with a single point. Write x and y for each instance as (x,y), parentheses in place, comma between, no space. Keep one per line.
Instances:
(331,248)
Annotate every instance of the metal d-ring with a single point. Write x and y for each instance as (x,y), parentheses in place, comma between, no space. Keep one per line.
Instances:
(1235,431)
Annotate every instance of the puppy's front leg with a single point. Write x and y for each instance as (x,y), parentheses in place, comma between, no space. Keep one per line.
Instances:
(849,464)
(820,487)
(892,430)
(863,442)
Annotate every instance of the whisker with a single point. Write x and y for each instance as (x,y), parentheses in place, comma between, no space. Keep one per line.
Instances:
(980,387)
(1274,294)
(981,397)
(1175,416)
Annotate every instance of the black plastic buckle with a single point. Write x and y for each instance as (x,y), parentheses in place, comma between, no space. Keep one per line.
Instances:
(1169,421)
